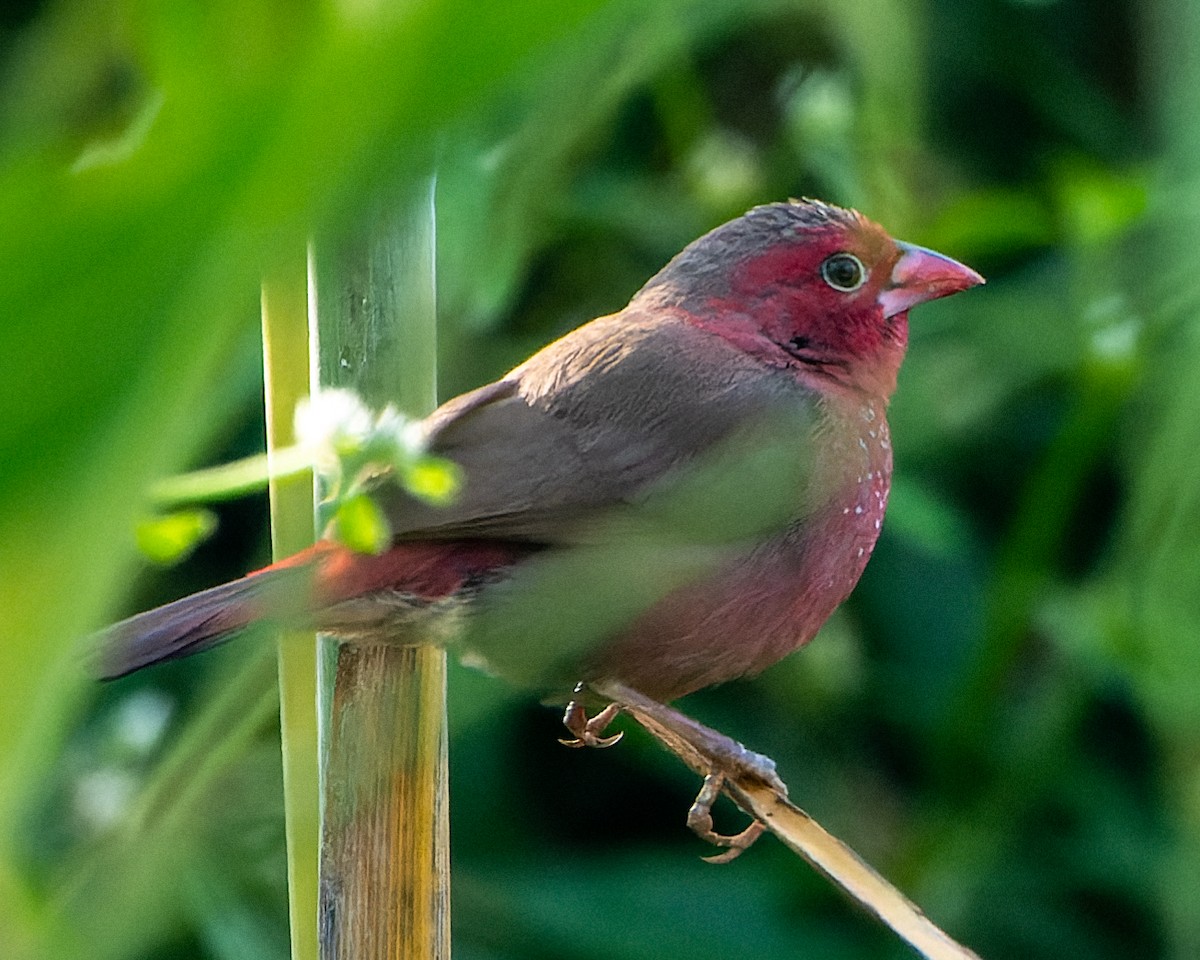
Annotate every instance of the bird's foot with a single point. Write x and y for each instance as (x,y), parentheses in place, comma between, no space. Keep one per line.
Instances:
(589,730)
(700,822)
(716,757)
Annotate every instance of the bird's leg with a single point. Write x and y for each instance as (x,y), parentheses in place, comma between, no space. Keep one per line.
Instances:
(699,821)
(713,755)
(589,730)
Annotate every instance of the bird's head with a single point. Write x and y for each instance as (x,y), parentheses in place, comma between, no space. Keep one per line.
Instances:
(812,287)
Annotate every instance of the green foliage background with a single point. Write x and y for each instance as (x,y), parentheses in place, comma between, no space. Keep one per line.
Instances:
(1005,718)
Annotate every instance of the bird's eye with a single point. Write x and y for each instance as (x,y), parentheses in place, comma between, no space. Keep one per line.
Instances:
(844,272)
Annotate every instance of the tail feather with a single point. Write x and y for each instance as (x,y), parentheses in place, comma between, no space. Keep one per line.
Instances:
(319,587)
(192,624)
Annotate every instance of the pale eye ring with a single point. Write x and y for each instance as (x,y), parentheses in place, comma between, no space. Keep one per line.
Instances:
(844,272)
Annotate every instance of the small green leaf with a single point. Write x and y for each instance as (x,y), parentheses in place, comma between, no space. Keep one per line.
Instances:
(432,479)
(172,537)
(361,525)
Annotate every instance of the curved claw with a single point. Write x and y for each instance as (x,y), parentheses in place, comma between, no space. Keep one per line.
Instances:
(592,741)
(737,843)
(699,821)
(589,731)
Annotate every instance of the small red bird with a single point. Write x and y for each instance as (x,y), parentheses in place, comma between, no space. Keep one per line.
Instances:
(712,463)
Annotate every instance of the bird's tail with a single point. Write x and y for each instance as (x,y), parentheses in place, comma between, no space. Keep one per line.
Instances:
(328,587)
(195,623)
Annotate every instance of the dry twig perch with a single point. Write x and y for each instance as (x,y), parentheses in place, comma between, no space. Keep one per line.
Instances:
(749,779)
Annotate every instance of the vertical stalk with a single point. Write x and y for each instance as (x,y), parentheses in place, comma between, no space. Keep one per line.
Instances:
(384,869)
(286,379)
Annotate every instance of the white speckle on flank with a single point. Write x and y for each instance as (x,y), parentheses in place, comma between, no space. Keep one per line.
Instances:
(845,509)
(858,509)
(872,434)
(862,443)
(877,523)
(860,551)
(868,413)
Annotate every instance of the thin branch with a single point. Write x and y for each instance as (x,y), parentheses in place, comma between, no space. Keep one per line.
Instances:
(749,779)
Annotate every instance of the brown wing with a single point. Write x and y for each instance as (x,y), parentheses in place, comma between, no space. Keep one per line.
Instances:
(590,422)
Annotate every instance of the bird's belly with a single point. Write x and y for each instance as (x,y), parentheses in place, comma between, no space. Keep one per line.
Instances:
(765,603)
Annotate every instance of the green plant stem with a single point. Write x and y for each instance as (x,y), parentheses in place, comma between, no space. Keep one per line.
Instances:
(235,479)
(286,369)
(385,827)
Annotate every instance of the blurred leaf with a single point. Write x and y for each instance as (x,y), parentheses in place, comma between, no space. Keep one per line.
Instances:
(361,525)
(933,523)
(1097,205)
(983,223)
(171,537)
(1161,552)
(433,479)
